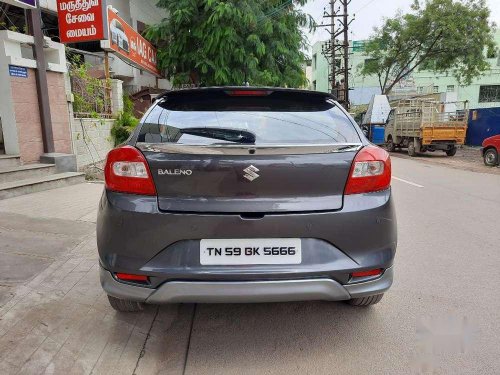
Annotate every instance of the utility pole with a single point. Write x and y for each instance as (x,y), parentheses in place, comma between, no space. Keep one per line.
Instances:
(34,20)
(337,51)
(332,43)
(107,79)
(345,24)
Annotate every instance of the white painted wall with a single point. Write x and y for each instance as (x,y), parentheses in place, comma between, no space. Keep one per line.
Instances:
(91,140)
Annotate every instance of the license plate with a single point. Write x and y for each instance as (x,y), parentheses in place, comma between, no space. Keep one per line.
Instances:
(251,251)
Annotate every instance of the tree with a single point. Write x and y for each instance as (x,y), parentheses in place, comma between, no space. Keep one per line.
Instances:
(438,35)
(217,42)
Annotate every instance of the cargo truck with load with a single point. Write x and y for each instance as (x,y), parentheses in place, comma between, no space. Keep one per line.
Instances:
(426,123)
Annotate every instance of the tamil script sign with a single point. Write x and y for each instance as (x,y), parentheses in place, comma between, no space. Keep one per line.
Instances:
(26,4)
(81,20)
(129,45)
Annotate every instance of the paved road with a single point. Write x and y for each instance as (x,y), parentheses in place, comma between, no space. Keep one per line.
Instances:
(441,316)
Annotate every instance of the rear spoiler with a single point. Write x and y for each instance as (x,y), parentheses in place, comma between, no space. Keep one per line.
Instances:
(241,90)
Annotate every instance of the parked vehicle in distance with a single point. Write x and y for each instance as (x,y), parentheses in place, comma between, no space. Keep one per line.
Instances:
(423,124)
(490,150)
(243,194)
(375,118)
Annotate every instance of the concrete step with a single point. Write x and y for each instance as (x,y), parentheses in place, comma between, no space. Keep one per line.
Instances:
(7,161)
(33,185)
(27,171)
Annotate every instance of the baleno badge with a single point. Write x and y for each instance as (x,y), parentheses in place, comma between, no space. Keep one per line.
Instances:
(175,172)
(251,173)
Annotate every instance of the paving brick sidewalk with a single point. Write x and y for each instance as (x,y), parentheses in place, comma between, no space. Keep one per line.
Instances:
(54,316)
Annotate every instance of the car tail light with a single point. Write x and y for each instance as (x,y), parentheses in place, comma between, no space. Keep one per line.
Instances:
(370,171)
(133,278)
(375,272)
(127,171)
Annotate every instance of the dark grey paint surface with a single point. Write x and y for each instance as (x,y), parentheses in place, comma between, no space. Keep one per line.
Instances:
(313,182)
(135,236)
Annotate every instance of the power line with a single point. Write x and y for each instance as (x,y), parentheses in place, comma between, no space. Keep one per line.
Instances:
(364,6)
(274,13)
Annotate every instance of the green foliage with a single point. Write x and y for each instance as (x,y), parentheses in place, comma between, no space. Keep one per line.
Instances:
(128,104)
(88,91)
(229,42)
(125,123)
(438,35)
(4,26)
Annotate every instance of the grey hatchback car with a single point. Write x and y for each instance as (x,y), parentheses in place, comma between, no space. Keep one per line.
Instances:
(244,194)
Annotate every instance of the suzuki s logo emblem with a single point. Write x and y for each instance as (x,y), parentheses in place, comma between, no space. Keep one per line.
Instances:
(251,173)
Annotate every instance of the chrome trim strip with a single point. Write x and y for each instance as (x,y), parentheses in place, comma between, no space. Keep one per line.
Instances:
(175,148)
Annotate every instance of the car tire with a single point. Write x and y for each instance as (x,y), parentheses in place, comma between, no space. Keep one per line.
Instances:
(390,145)
(123,305)
(411,149)
(491,157)
(365,301)
(451,151)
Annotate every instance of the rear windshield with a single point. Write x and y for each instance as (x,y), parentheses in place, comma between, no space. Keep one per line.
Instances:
(275,119)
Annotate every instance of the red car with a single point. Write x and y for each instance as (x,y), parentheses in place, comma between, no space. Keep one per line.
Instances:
(491,148)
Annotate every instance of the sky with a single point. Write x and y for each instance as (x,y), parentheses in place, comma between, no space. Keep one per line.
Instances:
(370,13)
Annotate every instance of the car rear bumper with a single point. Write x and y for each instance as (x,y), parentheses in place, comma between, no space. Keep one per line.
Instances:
(245,291)
(135,237)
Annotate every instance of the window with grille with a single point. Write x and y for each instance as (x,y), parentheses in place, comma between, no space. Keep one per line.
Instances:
(435,89)
(489,93)
(450,88)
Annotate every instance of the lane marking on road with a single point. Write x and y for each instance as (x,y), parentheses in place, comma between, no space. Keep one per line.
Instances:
(407,182)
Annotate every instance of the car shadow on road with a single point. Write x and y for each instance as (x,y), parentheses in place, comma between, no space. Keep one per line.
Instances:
(280,335)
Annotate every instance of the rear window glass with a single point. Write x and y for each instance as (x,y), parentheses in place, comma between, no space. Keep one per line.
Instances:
(277,119)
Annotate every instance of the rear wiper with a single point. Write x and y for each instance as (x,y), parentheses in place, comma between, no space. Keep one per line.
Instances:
(224,134)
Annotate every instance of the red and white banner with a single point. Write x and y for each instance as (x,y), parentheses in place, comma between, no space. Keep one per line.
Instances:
(130,45)
(81,20)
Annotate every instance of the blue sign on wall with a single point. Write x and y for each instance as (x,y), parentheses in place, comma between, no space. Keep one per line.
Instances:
(18,71)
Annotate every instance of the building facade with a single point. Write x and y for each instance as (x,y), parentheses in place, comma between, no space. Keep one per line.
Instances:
(23,125)
(138,14)
(483,92)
